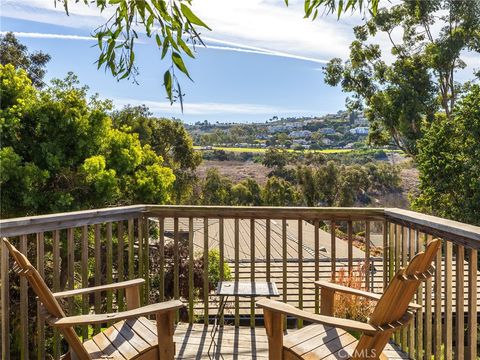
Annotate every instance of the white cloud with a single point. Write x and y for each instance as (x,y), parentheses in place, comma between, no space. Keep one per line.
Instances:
(192,108)
(251,24)
(36,35)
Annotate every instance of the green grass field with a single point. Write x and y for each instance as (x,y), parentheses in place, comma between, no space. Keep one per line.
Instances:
(260,151)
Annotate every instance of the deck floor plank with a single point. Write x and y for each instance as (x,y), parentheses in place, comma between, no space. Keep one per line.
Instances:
(242,343)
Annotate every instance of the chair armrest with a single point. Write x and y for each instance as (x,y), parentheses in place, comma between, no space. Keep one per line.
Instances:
(113,286)
(101,318)
(277,306)
(357,292)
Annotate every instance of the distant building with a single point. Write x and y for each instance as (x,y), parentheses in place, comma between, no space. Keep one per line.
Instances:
(300,134)
(326,141)
(300,142)
(361,130)
(327,131)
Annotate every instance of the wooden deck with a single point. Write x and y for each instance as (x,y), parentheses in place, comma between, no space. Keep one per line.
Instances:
(240,343)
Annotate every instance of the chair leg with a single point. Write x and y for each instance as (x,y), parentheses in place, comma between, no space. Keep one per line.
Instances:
(274,328)
(165,330)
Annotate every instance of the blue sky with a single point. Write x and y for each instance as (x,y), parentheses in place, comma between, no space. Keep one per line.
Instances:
(262,58)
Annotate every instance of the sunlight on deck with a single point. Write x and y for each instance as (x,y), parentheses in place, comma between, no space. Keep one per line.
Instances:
(242,343)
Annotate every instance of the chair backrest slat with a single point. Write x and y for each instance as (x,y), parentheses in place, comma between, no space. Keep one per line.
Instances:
(393,305)
(23,267)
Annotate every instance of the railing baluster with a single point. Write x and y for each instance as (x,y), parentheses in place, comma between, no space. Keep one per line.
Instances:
(121,266)
(109,263)
(472,332)
(391,251)
(448,300)
(419,313)
(5,290)
(317,266)
(84,274)
(252,270)
(237,268)
(333,244)
(23,305)
(191,314)
(40,321)
(300,270)
(131,249)
(140,255)
(284,265)
(350,246)
(70,268)
(367,255)
(221,245)
(161,256)
(146,267)
(438,305)
(411,327)
(459,303)
(397,335)
(268,239)
(205,271)
(56,287)
(385,251)
(98,271)
(428,314)
(404,251)
(176,264)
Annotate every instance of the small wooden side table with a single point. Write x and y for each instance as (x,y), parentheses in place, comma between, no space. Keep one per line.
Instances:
(237,289)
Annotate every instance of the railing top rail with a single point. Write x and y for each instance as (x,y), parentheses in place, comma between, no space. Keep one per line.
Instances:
(465,234)
(58,221)
(267,212)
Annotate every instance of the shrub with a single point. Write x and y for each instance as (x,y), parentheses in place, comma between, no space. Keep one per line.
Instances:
(351,306)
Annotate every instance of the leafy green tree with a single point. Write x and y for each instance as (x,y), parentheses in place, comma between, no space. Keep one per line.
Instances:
(216,189)
(59,152)
(279,192)
(275,158)
(15,53)
(449,163)
(169,139)
(326,179)
(246,192)
(420,81)
(353,184)
(308,185)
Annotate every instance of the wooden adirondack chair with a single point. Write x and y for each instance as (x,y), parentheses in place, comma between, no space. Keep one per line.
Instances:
(327,338)
(131,337)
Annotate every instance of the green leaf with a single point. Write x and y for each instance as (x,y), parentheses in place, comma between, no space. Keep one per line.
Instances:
(192,17)
(167,82)
(159,41)
(178,61)
(286,2)
(165,47)
(185,47)
(340,8)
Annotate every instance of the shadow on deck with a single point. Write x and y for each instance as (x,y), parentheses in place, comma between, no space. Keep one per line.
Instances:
(241,343)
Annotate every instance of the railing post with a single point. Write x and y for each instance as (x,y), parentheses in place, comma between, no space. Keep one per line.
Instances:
(5,294)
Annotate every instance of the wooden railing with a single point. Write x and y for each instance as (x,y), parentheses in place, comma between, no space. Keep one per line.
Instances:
(284,245)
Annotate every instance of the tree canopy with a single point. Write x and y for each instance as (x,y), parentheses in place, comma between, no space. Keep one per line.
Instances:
(399,97)
(169,139)
(15,53)
(60,151)
(449,163)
